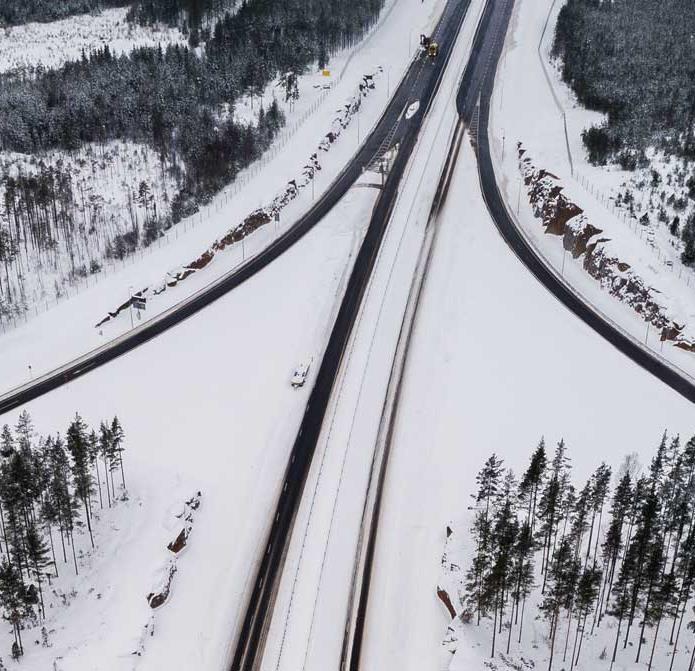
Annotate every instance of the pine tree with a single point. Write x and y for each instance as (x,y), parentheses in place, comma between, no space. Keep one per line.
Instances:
(522,574)
(551,502)
(613,542)
(117,440)
(686,581)
(587,592)
(6,441)
(11,599)
(37,554)
(641,552)
(562,576)
(599,492)
(94,460)
(488,481)
(59,491)
(497,581)
(662,603)
(78,447)
(531,482)
(105,450)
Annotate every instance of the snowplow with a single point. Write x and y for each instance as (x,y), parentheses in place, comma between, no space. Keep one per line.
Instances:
(428,46)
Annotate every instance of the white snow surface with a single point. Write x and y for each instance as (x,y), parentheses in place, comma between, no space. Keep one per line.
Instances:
(49,45)
(527,107)
(495,363)
(207,407)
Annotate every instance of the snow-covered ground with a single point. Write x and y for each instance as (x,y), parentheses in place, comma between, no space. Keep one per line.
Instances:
(528,108)
(112,188)
(39,343)
(495,363)
(207,407)
(49,45)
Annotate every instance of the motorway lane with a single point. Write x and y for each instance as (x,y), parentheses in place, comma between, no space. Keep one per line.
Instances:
(409,90)
(423,86)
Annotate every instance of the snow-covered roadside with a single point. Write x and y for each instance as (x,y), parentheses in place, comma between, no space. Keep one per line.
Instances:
(207,407)
(49,45)
(67,329)
(313,601)
(495,363)
(527,108)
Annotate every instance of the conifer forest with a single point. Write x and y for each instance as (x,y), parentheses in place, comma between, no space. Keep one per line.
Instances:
(50,490)
(610,558)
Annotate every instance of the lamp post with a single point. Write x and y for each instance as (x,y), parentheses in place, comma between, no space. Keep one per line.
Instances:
(130,305)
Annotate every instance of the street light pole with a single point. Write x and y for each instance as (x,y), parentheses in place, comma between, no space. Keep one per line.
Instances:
(130,303)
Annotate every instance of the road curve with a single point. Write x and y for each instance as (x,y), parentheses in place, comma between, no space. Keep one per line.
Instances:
(537,266)
(382,133)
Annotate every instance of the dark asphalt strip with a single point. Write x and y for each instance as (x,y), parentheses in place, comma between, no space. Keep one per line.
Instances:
(251,641)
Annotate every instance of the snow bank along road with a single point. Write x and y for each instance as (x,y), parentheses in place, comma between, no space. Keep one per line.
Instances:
(530,257)
(387,132)
(421,84)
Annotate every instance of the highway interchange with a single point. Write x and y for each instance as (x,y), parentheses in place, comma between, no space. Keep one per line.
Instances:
(421,83)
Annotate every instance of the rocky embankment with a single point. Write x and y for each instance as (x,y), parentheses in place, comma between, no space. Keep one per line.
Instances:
(561,217)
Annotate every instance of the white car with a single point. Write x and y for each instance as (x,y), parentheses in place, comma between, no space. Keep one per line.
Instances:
(300,374)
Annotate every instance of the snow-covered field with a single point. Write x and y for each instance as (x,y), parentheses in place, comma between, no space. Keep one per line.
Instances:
(208,407)
(49,45)
(527,108)
(495,363)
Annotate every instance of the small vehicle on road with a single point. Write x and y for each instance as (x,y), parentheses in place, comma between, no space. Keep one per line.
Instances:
(428,46)
(300,374)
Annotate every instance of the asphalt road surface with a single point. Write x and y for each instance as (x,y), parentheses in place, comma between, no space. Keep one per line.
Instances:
(421,85)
